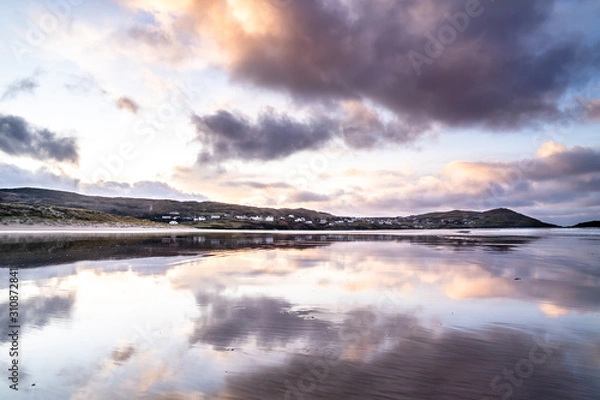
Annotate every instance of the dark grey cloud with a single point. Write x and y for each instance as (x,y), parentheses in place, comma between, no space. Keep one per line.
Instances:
(230,135)
(12,90)
(127,104)
(258,185)
(309,197)
(575,161)
(506,69)
(19,138)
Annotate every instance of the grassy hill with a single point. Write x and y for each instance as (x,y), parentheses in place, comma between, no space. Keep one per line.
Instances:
(588,224)
(67,206)
(54,215)
(140,208)
(497,218)
(154,210)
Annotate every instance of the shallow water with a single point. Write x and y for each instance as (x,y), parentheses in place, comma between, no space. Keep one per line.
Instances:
(410,315)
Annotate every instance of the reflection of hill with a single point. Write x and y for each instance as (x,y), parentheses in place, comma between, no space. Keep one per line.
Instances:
(51,250)
(34,251)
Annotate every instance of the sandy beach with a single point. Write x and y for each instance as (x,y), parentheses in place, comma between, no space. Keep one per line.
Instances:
(17,228)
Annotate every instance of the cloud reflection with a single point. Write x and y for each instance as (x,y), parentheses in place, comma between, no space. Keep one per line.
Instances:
(38,311)
(453,364)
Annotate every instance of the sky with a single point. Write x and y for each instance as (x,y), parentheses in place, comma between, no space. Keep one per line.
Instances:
(364,108)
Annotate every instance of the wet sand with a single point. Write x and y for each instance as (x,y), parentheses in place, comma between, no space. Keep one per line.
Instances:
(91,228)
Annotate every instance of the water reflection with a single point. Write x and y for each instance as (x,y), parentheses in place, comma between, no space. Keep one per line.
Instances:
(268,316)
(50,249)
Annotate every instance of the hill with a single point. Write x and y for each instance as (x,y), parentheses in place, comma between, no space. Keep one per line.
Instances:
(496,218)
(190,212)
(588,224)
(54,215)
(207,214)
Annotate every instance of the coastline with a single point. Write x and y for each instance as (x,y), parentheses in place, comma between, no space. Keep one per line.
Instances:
(104,229)
(99,228)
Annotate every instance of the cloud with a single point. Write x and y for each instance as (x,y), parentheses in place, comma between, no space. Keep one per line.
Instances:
(258,185)
(309,197)
(550,148)
(84,83)
(560,185)
(562,163)
(267,320)
(25,85)
(407,360)
(364,128)
(18,138)
(141,189)
(592,109)
(40,310)
(230,135)
(12,176)
(506,69)
(121,355)
(127,104)
(157,40)
(150,35)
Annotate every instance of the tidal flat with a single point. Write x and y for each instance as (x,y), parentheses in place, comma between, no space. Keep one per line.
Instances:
(480,314)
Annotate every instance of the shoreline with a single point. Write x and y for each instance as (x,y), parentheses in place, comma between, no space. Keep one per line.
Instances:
(101,228)
(115,229)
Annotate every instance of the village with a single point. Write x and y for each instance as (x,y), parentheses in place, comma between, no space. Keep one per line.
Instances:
(305,222)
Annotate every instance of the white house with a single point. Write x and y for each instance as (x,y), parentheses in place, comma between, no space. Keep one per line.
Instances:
(269,218)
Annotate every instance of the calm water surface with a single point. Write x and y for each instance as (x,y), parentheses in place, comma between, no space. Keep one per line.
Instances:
(429,315)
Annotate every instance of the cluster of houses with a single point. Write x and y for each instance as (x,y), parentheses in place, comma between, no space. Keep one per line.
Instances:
(410,222)
(175,217)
